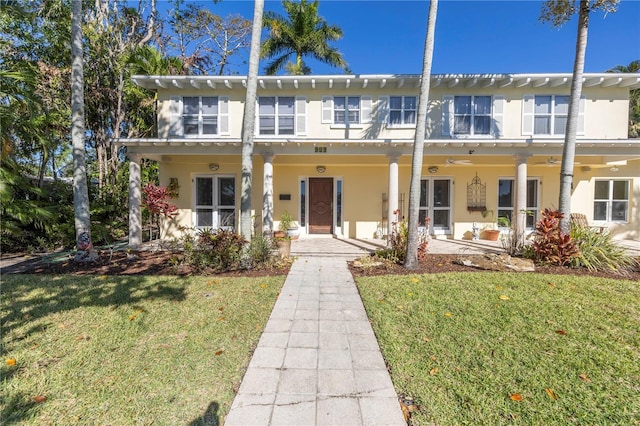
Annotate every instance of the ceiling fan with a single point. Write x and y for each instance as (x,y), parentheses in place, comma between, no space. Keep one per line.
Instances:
(452,160)
(552,161)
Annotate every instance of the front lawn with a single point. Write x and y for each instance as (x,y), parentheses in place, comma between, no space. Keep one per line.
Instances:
(501,348)
(127,350)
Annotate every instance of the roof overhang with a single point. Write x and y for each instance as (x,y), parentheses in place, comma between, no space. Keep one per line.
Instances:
(391,81)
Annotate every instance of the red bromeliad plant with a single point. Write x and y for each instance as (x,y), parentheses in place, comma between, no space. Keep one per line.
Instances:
(551,245)
(155,200)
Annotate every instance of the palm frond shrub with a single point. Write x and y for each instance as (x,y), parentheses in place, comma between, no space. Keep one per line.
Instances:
(598,252)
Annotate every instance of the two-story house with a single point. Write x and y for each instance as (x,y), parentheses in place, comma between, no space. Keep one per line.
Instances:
(335,151)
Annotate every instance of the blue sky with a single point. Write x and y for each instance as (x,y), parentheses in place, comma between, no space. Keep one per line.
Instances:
(387,37)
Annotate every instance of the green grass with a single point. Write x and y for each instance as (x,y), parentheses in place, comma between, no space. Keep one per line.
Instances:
(544,333)
(127,350)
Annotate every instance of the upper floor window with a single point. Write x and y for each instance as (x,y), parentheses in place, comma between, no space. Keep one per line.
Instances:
(611,200)
(402,110)
(550,115)
(472,115)
(346,110)
(546,115)
(194,116)
(466,116)
(200,115)
(276,115)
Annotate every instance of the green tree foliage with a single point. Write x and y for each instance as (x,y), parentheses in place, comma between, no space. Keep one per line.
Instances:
(302,32)
(205,42)
(634,98)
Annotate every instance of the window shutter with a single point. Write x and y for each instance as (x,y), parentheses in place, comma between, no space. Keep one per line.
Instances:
(256,124)
(223,115)
(175,119)
(528,106)
(447,116)
(583,102)
(327,109)
(366,105)
(382,109)
(498,116)
(301,115)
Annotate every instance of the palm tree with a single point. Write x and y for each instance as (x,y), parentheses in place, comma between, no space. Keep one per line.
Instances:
(301,33)
(248,122)
(411,261)
(84,246)
(559,12)
(634,98)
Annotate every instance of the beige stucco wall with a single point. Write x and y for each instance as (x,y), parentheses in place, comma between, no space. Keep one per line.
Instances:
(365,179)
(605,111)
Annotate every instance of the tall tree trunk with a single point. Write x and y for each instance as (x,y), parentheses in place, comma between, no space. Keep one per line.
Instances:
(248,122)
(569,148)
(80,191)
(411,261)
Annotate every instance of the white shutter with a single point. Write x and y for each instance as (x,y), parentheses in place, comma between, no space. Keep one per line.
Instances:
(528,108)
(382,109)
(256,124)
(175,116)
(447,116)
(366,105)
(223,115)
(498,116)
(301,115)
(327,109)
(583,102)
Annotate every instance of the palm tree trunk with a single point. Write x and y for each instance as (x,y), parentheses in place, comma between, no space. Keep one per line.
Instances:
(80,191)
(569,149)
(411,261)
(248,122)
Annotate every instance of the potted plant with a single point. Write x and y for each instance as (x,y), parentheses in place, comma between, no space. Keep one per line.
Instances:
(288,225)
(282,239)
(490,232)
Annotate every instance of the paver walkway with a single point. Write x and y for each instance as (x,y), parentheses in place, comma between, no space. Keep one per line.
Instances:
(318,361)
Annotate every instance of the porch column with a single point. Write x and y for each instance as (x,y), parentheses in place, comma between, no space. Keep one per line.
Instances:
(267,194)
(135,200)
(393,190)
(521,196)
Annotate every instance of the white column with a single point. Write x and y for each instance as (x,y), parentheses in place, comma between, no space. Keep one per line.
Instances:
(267,194)
(135,201)
(521,195)
(393,190)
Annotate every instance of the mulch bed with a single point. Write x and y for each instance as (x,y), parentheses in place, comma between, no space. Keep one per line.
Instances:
(167,263)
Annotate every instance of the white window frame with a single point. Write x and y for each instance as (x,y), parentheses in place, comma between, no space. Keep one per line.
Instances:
(277,115)
(430,208)
(528,116)
(497,118)
(216,206)
(472,115)
(532,210)
(177,116)
(553,115)
(610,200)
(403,110)
(365,106)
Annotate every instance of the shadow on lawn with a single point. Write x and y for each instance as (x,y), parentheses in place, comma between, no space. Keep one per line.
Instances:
(209,418)
(72,292)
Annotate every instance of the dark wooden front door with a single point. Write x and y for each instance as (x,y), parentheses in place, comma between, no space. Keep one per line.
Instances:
(320,205)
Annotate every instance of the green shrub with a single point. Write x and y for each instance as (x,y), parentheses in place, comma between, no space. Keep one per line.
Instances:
(223,250)
(398,242)
(260,251)
(598,252)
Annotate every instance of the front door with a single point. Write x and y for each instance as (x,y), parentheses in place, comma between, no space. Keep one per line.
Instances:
(320,205)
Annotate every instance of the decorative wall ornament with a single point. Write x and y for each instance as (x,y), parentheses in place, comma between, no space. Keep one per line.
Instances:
(476,195)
